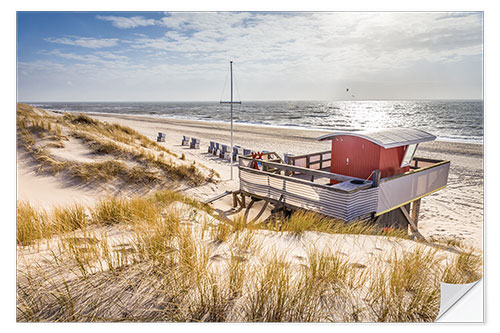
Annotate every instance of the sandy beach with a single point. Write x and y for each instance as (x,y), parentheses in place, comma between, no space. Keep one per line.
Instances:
(456,211)
(98,196)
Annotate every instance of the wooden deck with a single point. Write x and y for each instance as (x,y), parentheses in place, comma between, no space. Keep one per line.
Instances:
(299,187)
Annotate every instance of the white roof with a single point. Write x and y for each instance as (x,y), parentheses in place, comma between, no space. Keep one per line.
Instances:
(387,138)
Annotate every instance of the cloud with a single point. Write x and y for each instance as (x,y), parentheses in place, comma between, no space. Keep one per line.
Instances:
(104,59)
(325,43)
(110,55)
(128,22)
(458,15)
(272,52)
(88,42)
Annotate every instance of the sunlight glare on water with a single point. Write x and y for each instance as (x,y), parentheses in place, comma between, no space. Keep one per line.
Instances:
(449,120)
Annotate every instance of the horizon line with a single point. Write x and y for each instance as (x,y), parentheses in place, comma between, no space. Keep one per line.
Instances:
(263,100)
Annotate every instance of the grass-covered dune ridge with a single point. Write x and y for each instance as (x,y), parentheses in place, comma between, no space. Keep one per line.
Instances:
(121,154)
(164,257)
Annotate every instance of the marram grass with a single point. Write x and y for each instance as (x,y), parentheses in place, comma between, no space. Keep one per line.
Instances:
(38,133)
(168,270)
(302,221)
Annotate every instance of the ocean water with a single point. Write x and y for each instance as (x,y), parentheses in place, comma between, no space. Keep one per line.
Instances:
(448,120)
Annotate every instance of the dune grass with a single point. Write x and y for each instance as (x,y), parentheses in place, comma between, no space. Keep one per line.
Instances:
(115,132)
(409,289)
(34,224)
(464,268)
(301,221)
(38,132)
(169,267)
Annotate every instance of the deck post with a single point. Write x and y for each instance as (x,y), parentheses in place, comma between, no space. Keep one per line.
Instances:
(415,211)
(413,227)
(243,201)
(235,199)
(376,178)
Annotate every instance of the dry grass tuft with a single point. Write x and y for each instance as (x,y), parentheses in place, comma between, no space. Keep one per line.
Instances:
(464,268)
(302,221)
(408,289)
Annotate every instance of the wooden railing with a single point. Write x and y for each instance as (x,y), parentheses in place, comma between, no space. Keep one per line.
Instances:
(273,167)
(277,182)
(318,161)
(425,161)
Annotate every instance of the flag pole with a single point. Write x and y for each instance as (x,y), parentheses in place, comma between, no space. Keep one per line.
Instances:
(231,69)
(231,104)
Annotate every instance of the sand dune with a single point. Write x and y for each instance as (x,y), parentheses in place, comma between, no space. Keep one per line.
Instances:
(456,211)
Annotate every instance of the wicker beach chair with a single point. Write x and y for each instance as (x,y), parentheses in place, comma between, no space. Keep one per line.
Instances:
(217,149)
(211,148)
(160,137)
(195,143)
(224,150)
(185,140)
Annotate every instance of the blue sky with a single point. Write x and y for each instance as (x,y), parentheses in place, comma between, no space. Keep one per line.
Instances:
(184,56)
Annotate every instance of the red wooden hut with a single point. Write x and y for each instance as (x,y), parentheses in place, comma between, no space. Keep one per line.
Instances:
(357,154)
(391,198)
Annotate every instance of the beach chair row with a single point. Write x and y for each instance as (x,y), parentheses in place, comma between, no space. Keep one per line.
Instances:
(193,144)
(224,151)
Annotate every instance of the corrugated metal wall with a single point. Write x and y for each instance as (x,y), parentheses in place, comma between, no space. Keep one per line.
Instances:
(345,206)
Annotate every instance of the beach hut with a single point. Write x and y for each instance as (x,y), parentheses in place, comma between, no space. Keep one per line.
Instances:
(370,175)
(358,154)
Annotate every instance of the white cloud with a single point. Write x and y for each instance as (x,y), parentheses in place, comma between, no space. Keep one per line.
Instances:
(293,55)
(110,55)
(128,22)
(104,59)
(330,44)
(93,43)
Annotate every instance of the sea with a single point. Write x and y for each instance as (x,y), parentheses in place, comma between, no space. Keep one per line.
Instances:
(449,120)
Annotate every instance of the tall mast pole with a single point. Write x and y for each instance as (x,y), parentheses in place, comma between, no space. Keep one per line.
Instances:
(231,103)
(231,68)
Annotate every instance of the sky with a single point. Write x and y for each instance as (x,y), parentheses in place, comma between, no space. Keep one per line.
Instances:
(184,56)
